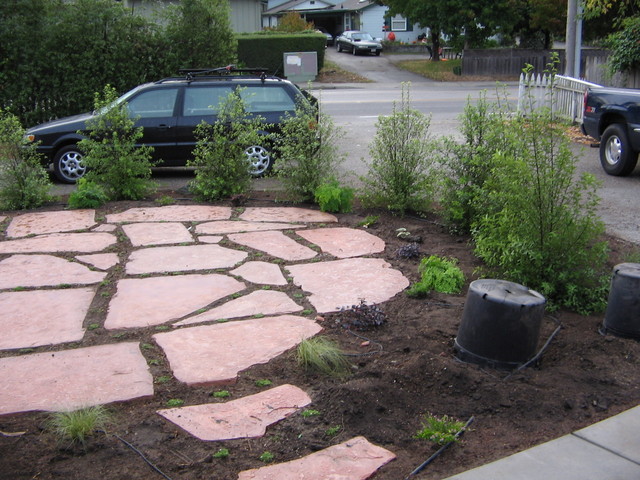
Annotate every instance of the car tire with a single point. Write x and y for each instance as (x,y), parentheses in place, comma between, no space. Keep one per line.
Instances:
(616,156)
(338,47)
(260,160)
(354,51)
(377,53)
(68,164)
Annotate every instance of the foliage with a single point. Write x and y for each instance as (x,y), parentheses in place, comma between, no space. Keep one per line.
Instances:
(175,402)
(310,413)
(221,394)
(320,354)
(24,182)
(308,155)
(331,197)
(369,221)
(361,316)
(542,228)
(267,457)
(439,274)
(222,167)
(439,71)
(76,426)
(625,47)
(333,431)
(263,382)
(87,195)
(113,161)
(221,453)
(398,178)
(292,22)
(411,250)
(439,430)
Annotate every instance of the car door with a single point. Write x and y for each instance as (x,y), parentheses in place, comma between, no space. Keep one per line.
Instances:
(201,103)
(154,111)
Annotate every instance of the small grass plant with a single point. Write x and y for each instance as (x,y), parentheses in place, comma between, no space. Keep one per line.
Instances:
(76,426)
(439,430)
(439,274)
(321,354)
(267,457)
(221,453)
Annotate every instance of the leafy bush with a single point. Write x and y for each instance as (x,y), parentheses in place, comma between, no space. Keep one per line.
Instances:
(24,183)
(308,155)
(333,198)
(437,274)
(625,46)
(222,168)
(76,426)
(398,178)
(439,430)
(112,159)
(87,195)
(322,355)
(361,316)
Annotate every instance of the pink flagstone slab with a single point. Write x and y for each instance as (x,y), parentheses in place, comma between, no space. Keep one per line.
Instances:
(342,283)
(264,273)
(60,242)
(103,261)
(286,214)
(243,418)
(72,379)
(237,226)
(38,223)
(210,238)
(43,317)
(183,258)
(355,459)
(105,227)
(44,270)
(214,354)
(143,302)
(274,243)
(2,218)
(344,242)
(145,234)
(171,213)
(260,302)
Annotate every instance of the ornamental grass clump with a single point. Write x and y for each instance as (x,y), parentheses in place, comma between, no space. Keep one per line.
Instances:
(321,354)
(74,427)
(439,430)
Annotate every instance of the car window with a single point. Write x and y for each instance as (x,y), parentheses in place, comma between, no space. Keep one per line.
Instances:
(205,100)
(267,99)
(153,103)
(362,36)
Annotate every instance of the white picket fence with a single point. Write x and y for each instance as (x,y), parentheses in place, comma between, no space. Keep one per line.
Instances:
(564,95)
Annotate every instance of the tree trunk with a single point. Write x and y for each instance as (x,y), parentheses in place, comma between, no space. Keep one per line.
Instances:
(435,45)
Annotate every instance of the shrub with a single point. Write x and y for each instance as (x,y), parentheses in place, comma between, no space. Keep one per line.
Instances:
(112,159)
(322,355)
(87,195)
(75,426)
(437,274)
(24,182)
(308,154)
(333,198)
(398,178)
(222,168)
(439,430)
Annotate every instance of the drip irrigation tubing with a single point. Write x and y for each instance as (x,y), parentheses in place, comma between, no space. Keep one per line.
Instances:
(147,461)
(441,449)
(365,354)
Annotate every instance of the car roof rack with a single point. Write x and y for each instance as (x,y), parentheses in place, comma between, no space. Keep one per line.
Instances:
(192,73)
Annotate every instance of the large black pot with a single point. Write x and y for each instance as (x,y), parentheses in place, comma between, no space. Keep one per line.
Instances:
(623,309)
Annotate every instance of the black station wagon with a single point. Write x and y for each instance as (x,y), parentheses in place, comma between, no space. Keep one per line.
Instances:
(169,111)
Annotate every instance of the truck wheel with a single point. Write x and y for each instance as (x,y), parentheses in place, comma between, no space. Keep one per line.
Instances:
(616,155)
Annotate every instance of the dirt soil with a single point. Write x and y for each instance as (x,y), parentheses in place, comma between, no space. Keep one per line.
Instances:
(582,378)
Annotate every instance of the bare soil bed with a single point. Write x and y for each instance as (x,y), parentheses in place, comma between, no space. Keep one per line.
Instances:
(582,378)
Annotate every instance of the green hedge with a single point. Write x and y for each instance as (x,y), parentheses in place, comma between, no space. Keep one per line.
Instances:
(266,49)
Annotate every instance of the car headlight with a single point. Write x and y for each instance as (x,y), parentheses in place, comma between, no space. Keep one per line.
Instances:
(29,137)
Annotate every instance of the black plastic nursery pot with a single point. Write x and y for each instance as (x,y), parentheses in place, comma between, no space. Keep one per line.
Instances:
(500,324)
(622,317)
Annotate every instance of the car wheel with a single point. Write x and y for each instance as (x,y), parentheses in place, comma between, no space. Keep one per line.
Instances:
(338,47)
(260,160)
(616,155)
(377,53)
(68,164)
(354,51)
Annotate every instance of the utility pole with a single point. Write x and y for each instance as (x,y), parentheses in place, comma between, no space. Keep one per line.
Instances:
(570,47)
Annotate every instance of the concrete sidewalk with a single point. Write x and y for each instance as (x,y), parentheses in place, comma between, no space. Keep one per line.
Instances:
(607,450)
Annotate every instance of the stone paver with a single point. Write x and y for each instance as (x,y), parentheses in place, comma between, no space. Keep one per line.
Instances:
(171,213)
(239,226)
(105,227)
(43,317)
(214,354)
(71,379)
(343,283)
(2,218)
(60,242)
(274,243)
(143,302)
(38,223)
(146,234)
(355,459)
(103,261)
(344,242)
(286,214)
(243,418)
(260,302)
(44,271)
(210,238)
(182,259)
(264,273)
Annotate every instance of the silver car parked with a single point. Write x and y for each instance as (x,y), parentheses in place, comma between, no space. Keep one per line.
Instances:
(356,42)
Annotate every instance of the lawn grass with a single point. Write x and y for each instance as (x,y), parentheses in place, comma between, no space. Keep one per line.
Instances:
(441,71)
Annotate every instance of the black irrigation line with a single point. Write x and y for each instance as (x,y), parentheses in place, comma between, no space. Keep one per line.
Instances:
(441,449)
(147,461)
(365,354)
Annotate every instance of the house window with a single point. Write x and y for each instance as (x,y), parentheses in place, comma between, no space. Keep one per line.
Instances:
(398,24)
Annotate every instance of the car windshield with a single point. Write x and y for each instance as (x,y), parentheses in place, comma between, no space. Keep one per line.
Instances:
(362,36)
(119,101)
